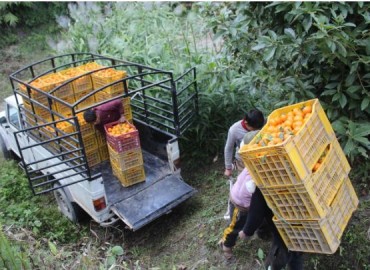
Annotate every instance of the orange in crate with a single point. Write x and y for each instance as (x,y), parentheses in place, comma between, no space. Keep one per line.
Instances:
(275,157)
(122,136)
(80,83)
(105,77)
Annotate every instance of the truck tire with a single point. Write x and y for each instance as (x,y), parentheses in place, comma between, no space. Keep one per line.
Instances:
(68,208)
(5,153)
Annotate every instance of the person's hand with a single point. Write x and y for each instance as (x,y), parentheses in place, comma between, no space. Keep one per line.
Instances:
(243,236)
(228,172)
(122,119)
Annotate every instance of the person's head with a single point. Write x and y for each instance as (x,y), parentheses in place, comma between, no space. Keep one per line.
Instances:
(90,116)
(254,119)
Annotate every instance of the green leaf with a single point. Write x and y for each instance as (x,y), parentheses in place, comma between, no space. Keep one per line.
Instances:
(260,254)
(365,103)
(343,100)
(331,85)
(341,49)
(307,22)
(53,248)
(363,140)
(289,32)
(258,47)
(117,250)
(269,54)
(328,92)
(349,147)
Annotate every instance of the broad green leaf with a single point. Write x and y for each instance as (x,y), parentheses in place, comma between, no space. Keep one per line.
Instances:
(339,127)
(331,85)
(269,53)
(53,248)
(331,45)
(343,100)
(290,32)
(362,140)
(362,129)
(349,146)
(117,250)
(354,88)
(307,22)
(258,47)
(365,103)
(341,49)
(366,76)
(328,92)
(260,254)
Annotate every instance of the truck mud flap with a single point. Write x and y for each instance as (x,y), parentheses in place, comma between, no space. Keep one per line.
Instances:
(152,202)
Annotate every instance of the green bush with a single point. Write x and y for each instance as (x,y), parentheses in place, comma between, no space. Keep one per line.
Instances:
(293,51)
(35,213)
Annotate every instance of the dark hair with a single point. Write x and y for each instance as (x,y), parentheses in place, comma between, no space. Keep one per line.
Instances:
(255,119)
(90,116)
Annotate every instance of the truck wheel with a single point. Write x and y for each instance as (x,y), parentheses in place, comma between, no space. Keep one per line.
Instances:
(5,153)
(70,209)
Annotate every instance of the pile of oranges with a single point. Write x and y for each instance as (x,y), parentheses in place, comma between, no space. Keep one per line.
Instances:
(281,127)
(119,129)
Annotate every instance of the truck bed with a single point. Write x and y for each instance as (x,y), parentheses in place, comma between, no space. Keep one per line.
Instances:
(155,169)
(141,203)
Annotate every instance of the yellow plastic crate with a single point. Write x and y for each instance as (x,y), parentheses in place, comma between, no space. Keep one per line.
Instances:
(104,154)
(129,176)
(86,129)
(90,142)
(292,160)
(127,112)
(126,159)
(80,84)
(108,76)
(100,137)
(312,198)
(90,66)
(64,109)
(103,96)
(87,102)
(93,157)
(320,235)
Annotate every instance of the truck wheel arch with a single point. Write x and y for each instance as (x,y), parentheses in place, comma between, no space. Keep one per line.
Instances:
(68,207)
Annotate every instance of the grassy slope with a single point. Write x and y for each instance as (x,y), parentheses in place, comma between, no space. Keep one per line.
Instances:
(186,237)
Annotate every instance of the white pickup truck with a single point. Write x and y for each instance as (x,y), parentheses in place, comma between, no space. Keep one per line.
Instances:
(162,108)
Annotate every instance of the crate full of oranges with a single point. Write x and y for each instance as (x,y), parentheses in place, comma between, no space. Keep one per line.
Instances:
(289,145)
(122,136)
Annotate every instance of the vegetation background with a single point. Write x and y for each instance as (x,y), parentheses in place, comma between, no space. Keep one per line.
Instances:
(247,54)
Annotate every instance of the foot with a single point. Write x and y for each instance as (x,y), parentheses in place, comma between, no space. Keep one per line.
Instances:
(227,251)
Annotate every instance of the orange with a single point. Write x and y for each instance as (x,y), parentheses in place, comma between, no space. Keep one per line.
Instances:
(307,109)
(316,166)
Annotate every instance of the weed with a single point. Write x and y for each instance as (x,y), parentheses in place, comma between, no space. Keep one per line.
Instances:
(21,208)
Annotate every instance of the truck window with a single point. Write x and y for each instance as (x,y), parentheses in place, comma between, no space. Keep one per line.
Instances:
(13,116)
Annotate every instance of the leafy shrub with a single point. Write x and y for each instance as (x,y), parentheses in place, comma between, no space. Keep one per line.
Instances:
(292,51)
(21,208)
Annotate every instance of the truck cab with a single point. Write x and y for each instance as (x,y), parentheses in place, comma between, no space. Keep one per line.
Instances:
(80,188)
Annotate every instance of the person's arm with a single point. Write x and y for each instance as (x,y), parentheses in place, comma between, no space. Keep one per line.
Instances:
(229,151)
(117,106)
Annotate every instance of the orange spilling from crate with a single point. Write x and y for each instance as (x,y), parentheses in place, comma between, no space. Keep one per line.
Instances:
(301,170)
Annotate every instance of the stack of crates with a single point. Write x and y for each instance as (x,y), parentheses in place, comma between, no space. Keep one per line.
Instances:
(312,205)
(72,90)
(125,154)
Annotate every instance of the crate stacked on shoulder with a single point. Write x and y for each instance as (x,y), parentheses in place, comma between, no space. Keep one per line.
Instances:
(125,152)
(301,170)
